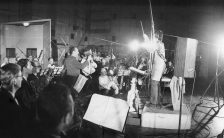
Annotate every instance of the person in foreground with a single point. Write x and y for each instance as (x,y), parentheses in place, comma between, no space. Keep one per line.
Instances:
(55,110)
(10,116)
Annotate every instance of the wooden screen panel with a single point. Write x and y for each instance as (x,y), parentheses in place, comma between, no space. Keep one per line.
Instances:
(185,56)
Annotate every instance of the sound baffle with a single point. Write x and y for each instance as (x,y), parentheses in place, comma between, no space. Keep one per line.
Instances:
(185,57)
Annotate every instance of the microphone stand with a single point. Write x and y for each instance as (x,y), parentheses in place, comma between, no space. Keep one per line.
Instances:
(180,113)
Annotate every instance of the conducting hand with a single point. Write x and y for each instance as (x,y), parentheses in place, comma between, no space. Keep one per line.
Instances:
(90,59)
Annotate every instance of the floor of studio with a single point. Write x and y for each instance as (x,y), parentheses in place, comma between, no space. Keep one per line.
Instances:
(134,129)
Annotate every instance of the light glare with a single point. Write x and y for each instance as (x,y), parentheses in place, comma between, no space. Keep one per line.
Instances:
(220,41)
(220,45)
(26,24)
(134,45)
(150,46)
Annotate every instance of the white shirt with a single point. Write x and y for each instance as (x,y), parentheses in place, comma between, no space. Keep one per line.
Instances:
(159,63)
(104,81)
(89,69)
(51,66)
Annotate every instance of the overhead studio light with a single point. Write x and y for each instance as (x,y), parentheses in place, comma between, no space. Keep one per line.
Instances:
(220,41)
(26,24)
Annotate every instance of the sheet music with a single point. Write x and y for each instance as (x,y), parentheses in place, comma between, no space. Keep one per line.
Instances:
(107,111)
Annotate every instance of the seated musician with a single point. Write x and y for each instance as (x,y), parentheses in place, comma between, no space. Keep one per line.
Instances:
(141,65)
(88,88)
(92,65)
(167,75)
(169,70)
(51,63)
(34,77)
(123,78)
(107,86)
(95,76)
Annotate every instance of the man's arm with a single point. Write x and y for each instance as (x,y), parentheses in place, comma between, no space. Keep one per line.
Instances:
(81,65)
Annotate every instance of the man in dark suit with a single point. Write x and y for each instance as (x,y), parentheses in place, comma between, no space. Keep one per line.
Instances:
(26,96)
(73,66)
(10,116)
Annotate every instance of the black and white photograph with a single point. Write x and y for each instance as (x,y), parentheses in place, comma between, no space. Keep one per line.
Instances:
(111,68)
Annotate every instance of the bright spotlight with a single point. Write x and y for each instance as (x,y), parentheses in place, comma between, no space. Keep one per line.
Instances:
(134,45)
(26,24)
(220,41)
(220,45)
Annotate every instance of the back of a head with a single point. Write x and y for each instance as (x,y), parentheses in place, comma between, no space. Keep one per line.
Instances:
(54,103)
(71,49)
(103,71)
(66,54)
(9,71)
(50,58)
(159,35)
(23,63)
(12,68)
(36,64)
(87,51)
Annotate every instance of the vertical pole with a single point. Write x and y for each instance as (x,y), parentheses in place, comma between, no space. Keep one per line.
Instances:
(103,131)
(216,78)
(180,113)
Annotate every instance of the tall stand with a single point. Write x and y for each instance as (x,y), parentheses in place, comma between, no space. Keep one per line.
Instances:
(217,80)
(150,67)
(217,93)
(212,110)
(180,113)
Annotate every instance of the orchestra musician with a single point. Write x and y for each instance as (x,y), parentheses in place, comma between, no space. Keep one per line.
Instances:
(51,63)
(123,77)
(141,65)
(120,75)
(95,76)
(72,66)
(107,86)
(88,71)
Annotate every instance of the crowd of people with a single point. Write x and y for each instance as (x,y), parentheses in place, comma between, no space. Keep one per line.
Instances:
(35,103)
(39,103)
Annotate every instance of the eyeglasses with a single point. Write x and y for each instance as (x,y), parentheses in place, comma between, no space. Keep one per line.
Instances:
(18,76)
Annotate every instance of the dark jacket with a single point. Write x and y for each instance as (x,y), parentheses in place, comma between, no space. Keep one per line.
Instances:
(27,100)
(34,82)
(73,66)
(10,116)
(25,95)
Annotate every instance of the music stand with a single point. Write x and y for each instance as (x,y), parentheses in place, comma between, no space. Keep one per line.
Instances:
(122,132)
(107,112)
